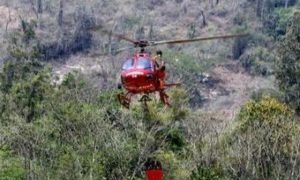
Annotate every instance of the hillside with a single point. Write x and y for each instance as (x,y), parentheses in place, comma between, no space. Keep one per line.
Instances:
(170,24)
(235,115)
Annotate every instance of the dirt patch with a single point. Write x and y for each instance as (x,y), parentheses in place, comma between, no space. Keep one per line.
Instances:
(239,85)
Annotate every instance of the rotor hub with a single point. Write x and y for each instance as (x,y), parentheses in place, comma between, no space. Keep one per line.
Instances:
(141,43)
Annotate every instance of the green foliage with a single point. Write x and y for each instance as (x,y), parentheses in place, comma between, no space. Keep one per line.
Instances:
(267,131)
(26,84)
(284,16)
(69,81)
(176,139)
(186,69)
(279,20)
(204,173)
(191,31)
(265,8)
(288,71)
(182,63)
(11,167)
(179,101)
(258,61)
(75,131)
(28,29)
(171,165)
(158,113)
(265,112)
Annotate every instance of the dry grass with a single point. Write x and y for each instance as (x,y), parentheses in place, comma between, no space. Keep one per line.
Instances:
(240,86)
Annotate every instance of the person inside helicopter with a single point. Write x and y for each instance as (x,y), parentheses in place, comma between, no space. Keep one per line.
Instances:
(160,67)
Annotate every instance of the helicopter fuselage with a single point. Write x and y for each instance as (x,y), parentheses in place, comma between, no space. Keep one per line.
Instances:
(140,74)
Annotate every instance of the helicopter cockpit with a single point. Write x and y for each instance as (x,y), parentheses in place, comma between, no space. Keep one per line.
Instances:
(143,63)
(140,63)
(128,64)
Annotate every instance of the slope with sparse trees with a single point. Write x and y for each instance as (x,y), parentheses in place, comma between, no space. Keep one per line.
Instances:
(74,128)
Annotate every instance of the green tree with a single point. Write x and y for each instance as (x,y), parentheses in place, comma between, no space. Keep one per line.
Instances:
(264,142)
(25,90)
(288,72)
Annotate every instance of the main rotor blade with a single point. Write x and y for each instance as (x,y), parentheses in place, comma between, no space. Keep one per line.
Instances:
(197,39)
(112,52)
(119,36)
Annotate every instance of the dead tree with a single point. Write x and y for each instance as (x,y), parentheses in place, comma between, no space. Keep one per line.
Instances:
(39,6)
(204,23)
(151,32)
(286,3)
(9,20)
(259,7)
(34,9)
(140,33)
(60,13)
(211,3)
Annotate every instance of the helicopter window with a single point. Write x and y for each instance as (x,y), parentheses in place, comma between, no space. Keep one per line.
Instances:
(143,63)
(128,64)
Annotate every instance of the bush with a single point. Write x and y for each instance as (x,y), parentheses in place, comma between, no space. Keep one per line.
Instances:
(204,173)
(264,143)
(258,61)
(11,167)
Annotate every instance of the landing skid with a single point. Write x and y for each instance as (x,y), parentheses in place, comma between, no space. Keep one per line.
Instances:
(125,99)
(164,98)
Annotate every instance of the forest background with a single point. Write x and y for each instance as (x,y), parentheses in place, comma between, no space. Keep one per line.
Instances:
(236,115)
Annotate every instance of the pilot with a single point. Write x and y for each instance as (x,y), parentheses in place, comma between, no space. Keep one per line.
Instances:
(160,67)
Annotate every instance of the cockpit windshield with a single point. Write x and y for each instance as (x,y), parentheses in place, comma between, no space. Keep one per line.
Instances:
(128,64)
(143,63)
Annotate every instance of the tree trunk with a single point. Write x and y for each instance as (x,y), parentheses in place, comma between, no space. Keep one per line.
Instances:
(8,21)
(33,9)
(192,31)
(40,6)
(61,13)
(211,3)
(263,8)
(28,168)
(140,33)
(109,43)
(151,32)
(258,8)
(286,3)
(203,18)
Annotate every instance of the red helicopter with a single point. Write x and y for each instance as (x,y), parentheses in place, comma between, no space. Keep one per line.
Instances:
(143,74)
